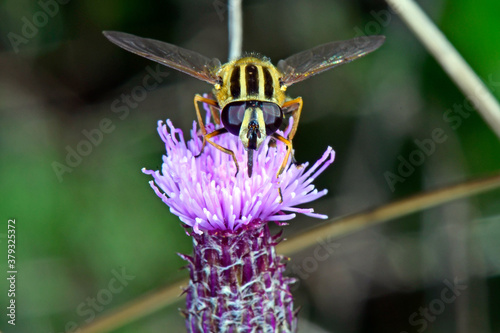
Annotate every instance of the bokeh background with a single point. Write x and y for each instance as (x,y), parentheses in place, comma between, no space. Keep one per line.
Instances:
(81,226)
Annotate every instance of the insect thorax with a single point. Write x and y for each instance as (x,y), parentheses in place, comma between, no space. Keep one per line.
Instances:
(249,78)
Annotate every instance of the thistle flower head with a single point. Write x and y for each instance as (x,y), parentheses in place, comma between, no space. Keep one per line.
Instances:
(207,196)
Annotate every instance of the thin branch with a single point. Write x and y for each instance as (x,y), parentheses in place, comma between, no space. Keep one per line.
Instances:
(347,225)
(451,61)
(235,26)
(334,229)
(137,309)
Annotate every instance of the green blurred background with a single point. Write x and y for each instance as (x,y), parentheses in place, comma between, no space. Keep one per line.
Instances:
(77,231)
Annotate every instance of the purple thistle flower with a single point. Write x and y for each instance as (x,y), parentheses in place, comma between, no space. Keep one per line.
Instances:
(237,282)
(206,196)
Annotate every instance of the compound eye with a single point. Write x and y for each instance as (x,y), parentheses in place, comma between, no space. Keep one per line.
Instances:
(232,117)
(273,117)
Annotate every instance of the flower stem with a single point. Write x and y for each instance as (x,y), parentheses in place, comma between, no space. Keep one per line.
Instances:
(235,26)
(238,284)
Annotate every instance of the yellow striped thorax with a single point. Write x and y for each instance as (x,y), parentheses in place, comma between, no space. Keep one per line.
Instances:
(247,79)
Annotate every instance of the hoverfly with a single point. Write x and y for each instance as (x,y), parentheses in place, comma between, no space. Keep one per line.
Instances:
(249,92)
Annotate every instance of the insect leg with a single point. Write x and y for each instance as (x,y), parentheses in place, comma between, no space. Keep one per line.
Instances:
(289,147)
(198,98)
(295,108)
(225,150)
(215,113)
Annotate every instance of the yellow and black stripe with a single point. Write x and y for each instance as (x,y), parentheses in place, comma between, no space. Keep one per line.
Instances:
(247,79)
(235,83)
(251,80)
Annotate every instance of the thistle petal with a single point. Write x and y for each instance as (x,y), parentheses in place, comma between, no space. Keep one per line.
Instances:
(207,196)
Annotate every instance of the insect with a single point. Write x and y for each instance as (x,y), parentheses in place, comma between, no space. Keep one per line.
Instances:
(250,98)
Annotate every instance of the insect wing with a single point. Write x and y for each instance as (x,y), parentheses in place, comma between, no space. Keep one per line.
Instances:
(183,60)
(323,57)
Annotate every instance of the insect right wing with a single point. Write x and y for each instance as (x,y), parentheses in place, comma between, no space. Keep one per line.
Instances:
(183,60)
(321,58)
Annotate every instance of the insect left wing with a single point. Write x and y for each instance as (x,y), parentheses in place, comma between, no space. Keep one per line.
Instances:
(183,60)
(321,58)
